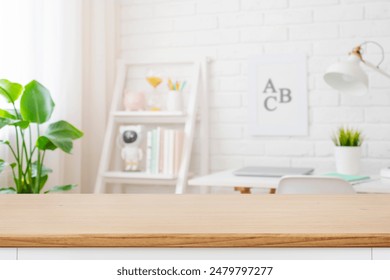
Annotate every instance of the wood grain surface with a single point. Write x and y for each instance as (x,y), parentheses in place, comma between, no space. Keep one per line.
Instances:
(108,220)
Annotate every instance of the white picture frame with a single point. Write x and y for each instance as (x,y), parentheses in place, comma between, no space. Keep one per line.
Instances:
(278,96)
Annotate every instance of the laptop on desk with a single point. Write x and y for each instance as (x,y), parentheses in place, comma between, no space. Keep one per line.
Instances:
(263,171)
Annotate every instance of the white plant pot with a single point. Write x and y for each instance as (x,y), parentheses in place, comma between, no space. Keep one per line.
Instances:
(348,160)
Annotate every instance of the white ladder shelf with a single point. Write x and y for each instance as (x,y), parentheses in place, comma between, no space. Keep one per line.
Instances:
(188,119)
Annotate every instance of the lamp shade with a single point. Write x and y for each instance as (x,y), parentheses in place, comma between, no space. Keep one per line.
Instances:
(347,77)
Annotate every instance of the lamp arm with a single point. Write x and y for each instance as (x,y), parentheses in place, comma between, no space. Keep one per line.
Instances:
(360,50)
(376,68)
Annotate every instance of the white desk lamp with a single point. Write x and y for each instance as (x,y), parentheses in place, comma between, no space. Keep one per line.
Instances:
(348,77)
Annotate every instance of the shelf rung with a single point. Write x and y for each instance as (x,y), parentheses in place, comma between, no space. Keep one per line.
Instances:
(149,113)
(139,178)
(137,175)
(149,117)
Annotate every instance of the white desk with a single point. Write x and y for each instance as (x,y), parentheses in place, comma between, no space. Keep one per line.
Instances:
(244,183)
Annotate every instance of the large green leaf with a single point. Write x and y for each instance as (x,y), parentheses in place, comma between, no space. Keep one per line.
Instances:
(36,105)
(21,124)
(61,188)
(6,114)
(11,91)
(59,135)
(43,143)
(6,121)
(44,171)
(42,182)
(7,190)
(33,187)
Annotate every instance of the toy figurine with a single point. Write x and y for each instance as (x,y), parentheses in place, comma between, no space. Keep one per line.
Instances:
(130,141)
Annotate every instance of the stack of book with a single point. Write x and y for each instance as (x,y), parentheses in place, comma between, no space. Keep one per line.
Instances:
(353,179)
(163,151)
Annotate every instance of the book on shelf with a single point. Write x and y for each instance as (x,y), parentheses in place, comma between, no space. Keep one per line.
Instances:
(149,152)
(164,149)
(349,178)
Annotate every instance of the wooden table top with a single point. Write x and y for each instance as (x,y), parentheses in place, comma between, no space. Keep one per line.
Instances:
(84,220)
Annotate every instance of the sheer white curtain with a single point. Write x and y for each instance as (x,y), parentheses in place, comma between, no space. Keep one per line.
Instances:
(42,40)
(17,43)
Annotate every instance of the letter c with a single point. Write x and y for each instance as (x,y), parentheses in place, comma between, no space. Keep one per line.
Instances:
(266,103)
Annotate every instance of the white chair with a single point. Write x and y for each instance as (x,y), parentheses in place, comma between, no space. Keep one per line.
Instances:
(313,185)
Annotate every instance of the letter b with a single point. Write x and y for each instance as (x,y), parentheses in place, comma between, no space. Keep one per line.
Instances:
(285,95)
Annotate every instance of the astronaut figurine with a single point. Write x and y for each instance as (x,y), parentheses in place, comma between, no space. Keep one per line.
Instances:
(130,142)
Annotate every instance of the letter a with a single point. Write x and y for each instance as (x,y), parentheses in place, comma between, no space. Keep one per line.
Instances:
(269,85)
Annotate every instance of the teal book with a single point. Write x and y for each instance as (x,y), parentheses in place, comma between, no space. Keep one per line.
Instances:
(348,178)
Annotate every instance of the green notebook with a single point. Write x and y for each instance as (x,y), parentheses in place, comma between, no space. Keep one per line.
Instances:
(348,178)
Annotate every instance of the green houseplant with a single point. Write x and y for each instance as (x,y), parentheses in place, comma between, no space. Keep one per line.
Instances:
(35,108)
(348,137)
(348,143)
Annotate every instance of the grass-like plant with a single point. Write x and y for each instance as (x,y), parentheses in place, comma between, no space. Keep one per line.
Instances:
(347,137)
(35,108)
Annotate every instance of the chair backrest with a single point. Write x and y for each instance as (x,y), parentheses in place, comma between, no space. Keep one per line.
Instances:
(313,185)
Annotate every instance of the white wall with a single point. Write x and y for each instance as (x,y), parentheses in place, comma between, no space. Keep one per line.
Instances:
(229,31)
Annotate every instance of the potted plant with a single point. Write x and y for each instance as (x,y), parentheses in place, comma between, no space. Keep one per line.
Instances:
(34,108)
(348,150)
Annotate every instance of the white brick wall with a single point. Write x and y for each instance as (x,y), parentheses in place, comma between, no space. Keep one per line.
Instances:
(195,23)
(263,4)
(337,13)
(229,31)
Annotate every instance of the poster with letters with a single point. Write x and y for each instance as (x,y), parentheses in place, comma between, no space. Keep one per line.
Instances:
(278,95)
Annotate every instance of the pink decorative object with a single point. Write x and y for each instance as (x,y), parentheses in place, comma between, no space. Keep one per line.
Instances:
(134,101)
